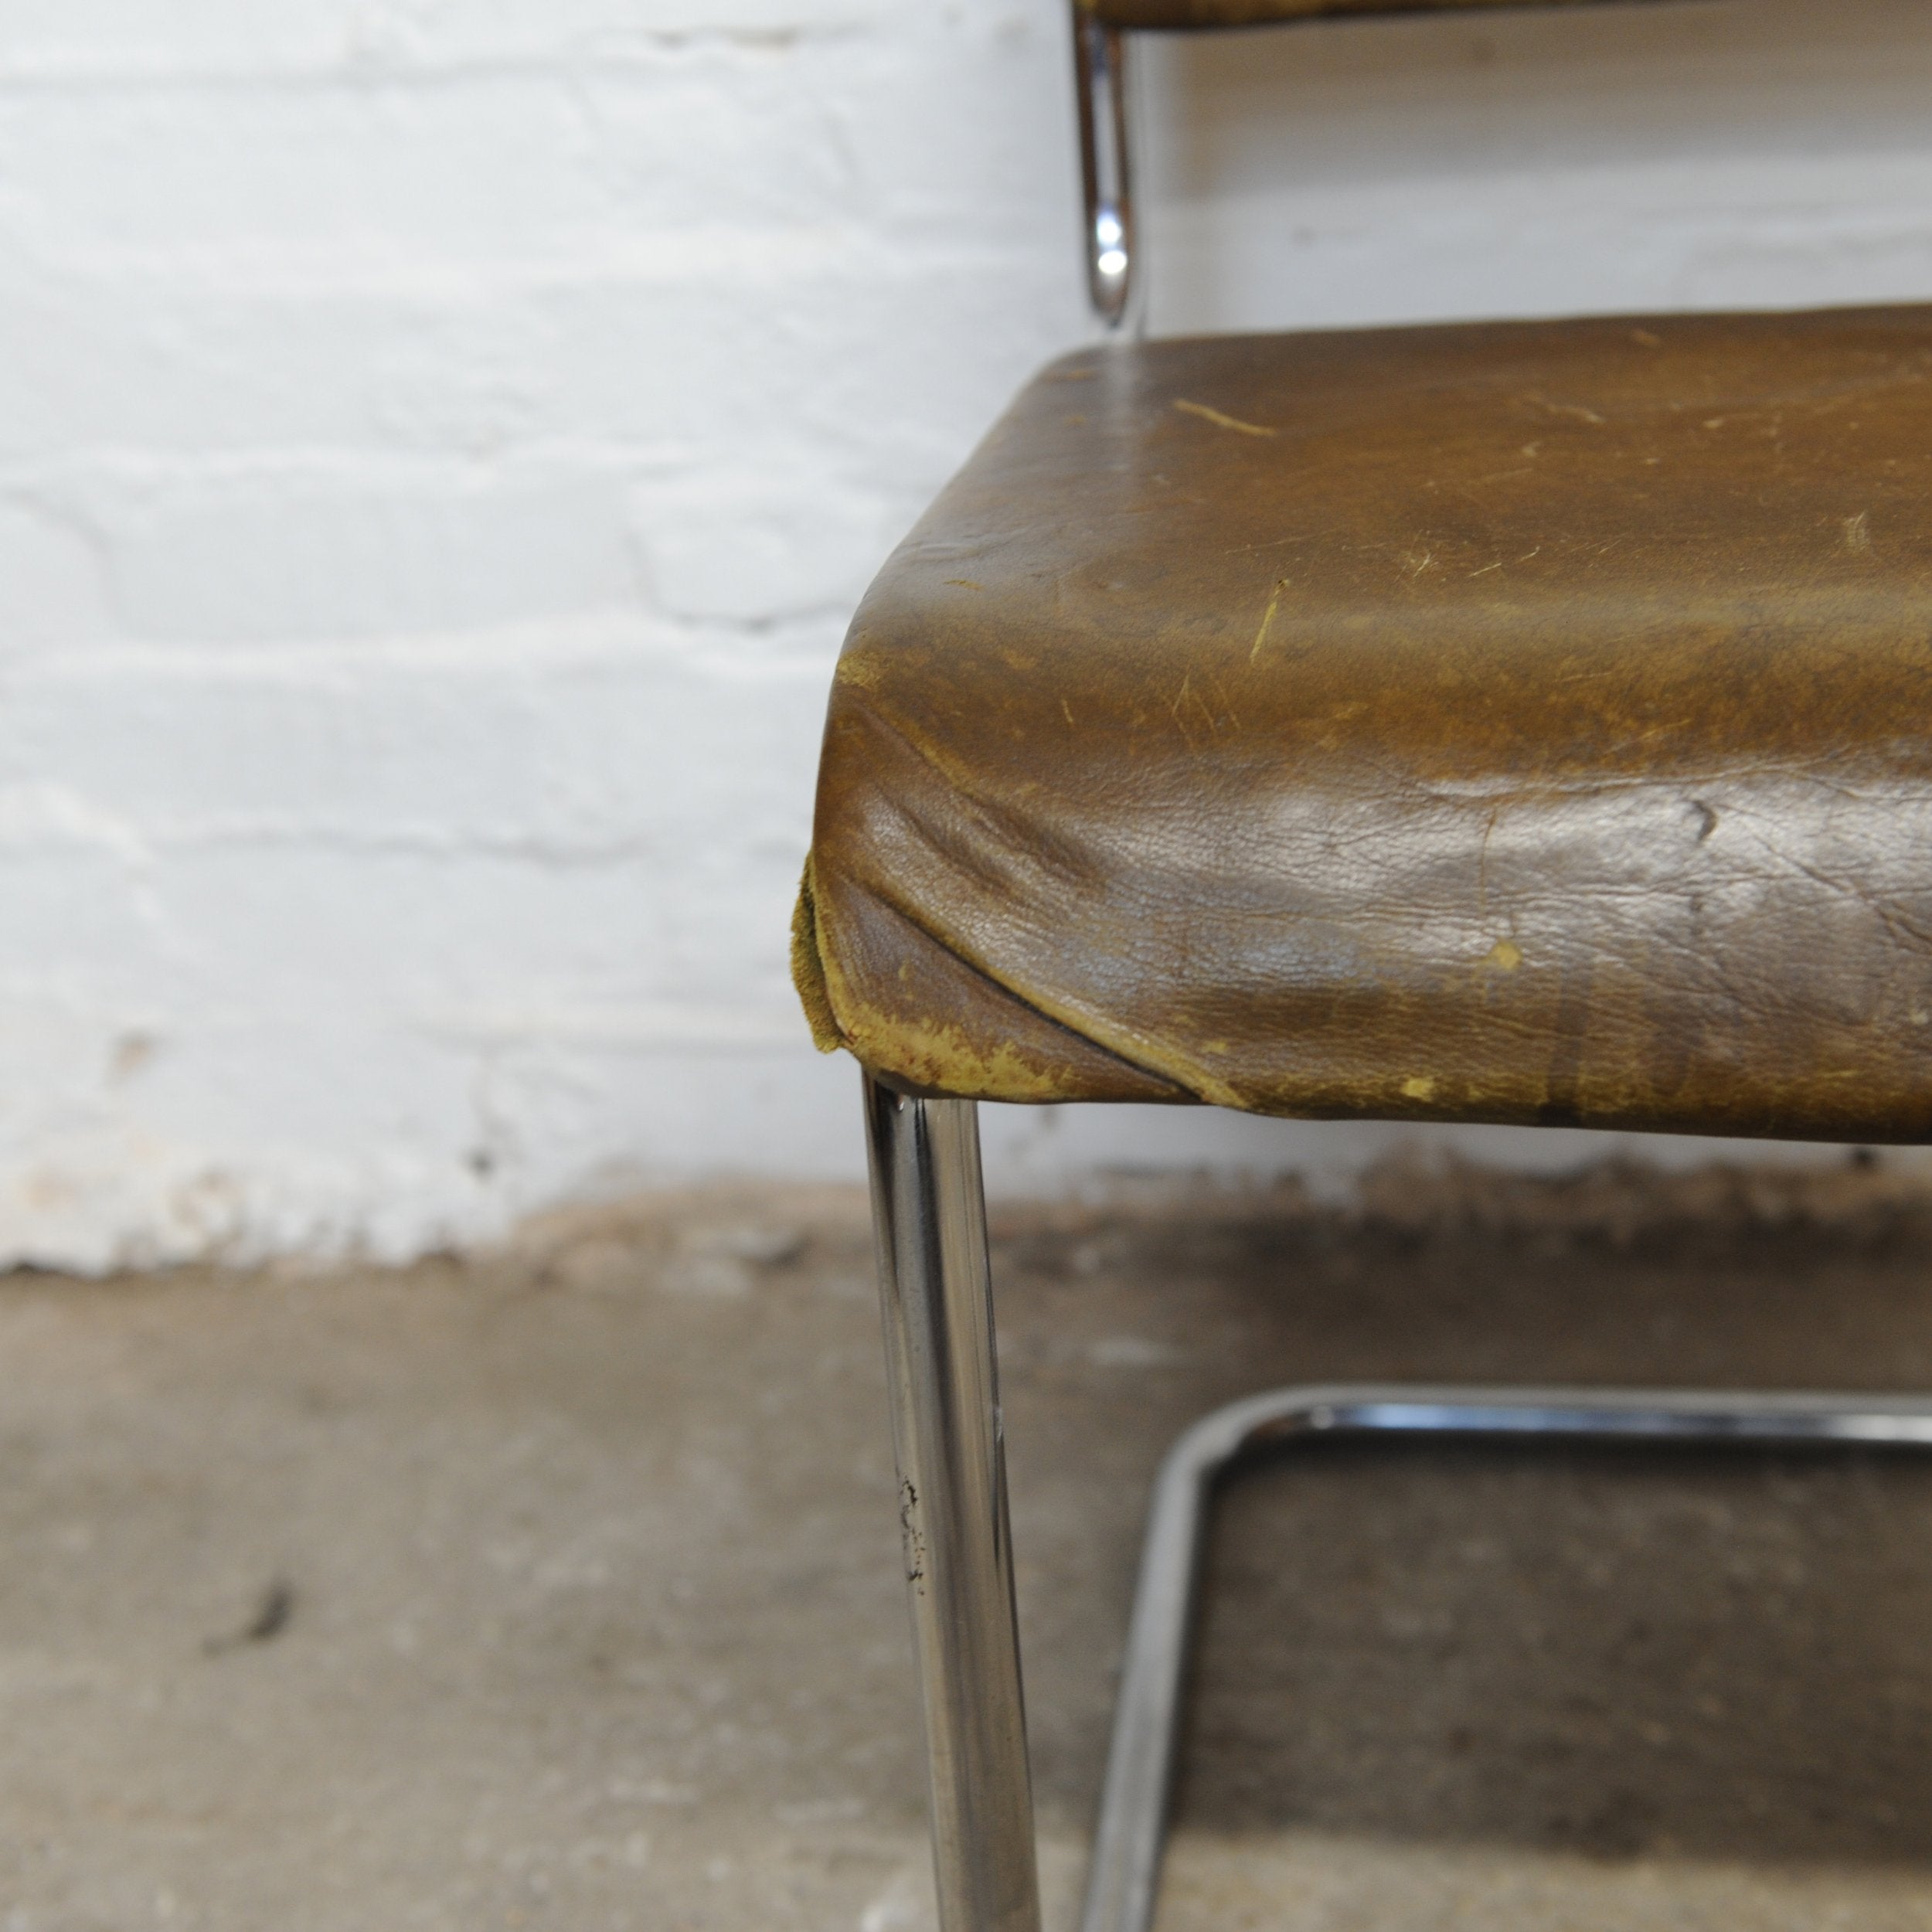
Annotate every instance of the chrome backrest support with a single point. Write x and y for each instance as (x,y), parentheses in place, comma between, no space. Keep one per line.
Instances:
(1101,82)
(1107,169)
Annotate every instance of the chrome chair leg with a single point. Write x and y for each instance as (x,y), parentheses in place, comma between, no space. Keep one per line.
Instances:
(1125,1871)
(928,1221)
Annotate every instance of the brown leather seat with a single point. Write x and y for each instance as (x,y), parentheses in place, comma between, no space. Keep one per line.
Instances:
(1526,722)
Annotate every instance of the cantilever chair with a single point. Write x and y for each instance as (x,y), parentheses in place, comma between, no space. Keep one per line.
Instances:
(1519,722)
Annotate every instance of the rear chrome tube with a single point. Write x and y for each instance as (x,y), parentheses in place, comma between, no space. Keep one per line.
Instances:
(929,1221)
(1106,176)
(1124,1877)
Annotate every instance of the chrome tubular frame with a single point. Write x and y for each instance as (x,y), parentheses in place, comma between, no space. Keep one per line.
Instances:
(1124,1875)
(928,1224)
(929,1216)
(1107,169)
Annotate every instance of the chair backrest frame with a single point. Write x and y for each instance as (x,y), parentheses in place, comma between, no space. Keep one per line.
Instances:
(1100,85)
(1186,15)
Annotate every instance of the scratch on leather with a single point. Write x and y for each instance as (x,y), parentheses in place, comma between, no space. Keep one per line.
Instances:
(1267,617)
(1221,420)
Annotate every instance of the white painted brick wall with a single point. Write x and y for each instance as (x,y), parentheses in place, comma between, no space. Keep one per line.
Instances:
(439,443)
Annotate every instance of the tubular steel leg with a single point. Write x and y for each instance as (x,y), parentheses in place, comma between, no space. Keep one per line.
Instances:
(1124,1874)
(928,1220)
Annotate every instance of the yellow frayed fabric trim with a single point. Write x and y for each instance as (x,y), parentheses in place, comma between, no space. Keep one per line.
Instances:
(808,969)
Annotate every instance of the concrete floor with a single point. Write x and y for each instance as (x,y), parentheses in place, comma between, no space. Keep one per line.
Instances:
(560,1589)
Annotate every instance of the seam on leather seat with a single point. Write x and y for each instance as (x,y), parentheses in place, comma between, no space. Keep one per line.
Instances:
(1179,1091)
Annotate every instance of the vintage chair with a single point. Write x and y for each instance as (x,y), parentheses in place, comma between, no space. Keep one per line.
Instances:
(1523,722)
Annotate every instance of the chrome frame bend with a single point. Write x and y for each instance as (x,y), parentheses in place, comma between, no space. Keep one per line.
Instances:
(1125,1875)
(1106,173)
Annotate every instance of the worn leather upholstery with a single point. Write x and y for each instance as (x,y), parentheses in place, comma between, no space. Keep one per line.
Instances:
(1184,14)
(1520,722)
